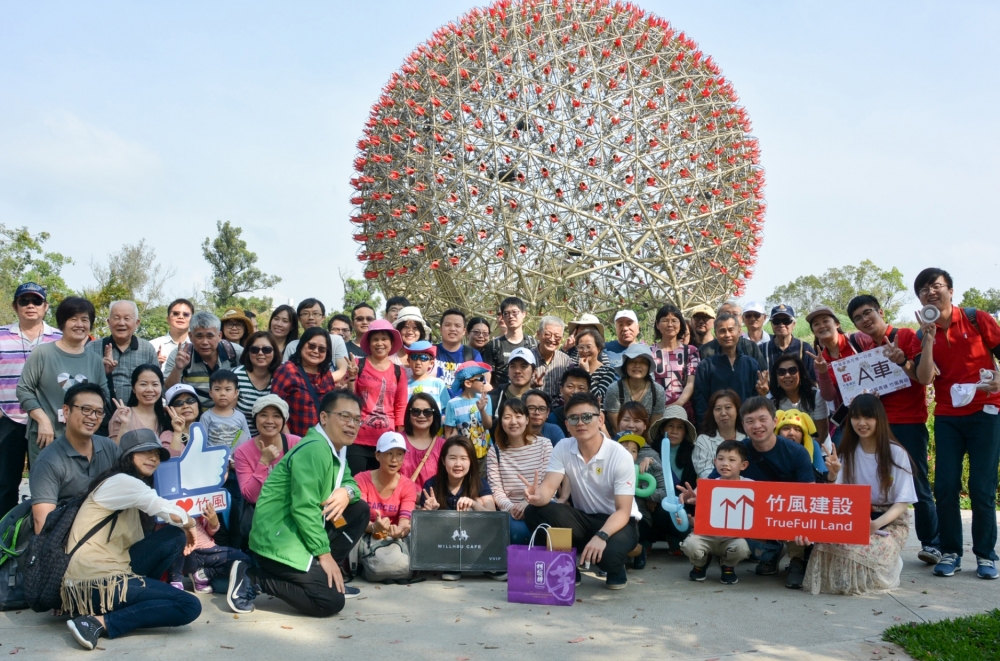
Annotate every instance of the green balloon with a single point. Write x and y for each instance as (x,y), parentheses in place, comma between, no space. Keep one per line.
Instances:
(648,480)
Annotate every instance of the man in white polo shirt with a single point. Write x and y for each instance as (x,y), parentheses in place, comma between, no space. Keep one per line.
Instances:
(604,516)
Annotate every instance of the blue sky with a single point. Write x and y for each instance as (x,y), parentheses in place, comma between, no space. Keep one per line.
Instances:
(121,121)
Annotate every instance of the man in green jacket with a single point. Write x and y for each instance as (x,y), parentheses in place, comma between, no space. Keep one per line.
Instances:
(310,515)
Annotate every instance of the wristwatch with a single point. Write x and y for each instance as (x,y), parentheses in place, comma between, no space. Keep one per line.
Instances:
(600,534)
(350,491)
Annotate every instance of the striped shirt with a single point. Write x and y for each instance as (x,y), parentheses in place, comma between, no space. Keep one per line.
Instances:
(249,396)
(14,350)
(138,352)
(504,466)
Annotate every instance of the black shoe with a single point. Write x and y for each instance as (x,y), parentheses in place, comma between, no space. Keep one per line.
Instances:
(240,594)
(639,561)
(796,574)
(768,567)
(617,580)
(698,573)
(86,629)
(729,576)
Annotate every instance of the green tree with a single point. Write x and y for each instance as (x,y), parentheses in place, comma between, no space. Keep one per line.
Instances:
(357,291)
(23,259)
(234,269)
(838,286)
(988,301)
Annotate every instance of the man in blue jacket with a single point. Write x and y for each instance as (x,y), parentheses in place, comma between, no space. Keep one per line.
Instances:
(730,368)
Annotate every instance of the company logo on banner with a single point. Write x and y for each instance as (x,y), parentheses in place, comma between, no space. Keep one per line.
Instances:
(835,513)
(869,371)
(196,478)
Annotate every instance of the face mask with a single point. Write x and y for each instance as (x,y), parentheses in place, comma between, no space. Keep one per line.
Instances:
(962,394)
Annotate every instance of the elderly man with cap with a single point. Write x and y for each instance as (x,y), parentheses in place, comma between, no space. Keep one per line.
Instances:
(754,316)
(193,362)
(785,342)
(122,351)
(701,325)
(626,332)
(550,361)
(17,341)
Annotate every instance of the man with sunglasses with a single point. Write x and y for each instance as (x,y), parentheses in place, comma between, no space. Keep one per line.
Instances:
(496,354)
(362,314)
(17,341)
(178,321)
(784,341)
(604,517)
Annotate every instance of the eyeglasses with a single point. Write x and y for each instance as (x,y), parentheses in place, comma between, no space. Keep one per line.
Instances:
(267,351)
(340,331)
(752,316)
(310,315)
(368,319)
(25,301)
(421,357)
(781,322)
(585,418)
(318,348)
(190,401)
(936,287)
(480,333)
(89,411)
(864,314)
(347,418)
(787,371)
(179,313)
(422,413)
(511,313)
(537,409)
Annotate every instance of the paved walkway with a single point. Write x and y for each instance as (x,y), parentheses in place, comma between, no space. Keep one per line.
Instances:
(660,615)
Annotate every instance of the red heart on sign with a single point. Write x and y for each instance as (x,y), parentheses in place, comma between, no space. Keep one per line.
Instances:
(186,504)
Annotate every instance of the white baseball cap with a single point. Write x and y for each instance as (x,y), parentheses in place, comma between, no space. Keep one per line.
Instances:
(626,314)
(390,440)
(524,354)
(754,306)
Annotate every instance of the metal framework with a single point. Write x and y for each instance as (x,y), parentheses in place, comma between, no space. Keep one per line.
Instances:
(581,155)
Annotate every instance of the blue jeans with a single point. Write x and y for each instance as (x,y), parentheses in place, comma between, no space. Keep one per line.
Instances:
(156,552)
(914,437)
(978,435)
(148,604)
(519,532)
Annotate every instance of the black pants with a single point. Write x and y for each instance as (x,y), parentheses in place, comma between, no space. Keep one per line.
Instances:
(153,555)
(13,450)
(914,438)
(308,591)
(361,458)
(659,526)
(231,533)
(559,515)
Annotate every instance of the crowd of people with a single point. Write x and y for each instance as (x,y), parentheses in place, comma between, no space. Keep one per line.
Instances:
(341,428)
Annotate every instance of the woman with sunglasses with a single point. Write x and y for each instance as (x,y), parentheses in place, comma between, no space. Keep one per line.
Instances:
(258,363)
(184,408)
(422,431)
(305,379)
(791,387)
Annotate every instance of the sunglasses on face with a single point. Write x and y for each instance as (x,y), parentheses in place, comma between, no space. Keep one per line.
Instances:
(190,401)
(25,301)
(317,348)
(585,418)
(421,357)
(422,413)
(178,313)
(789,371)
(781,322)
(368,319)
(267,351)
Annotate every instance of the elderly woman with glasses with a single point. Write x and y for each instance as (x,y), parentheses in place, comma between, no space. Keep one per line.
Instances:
(305,379)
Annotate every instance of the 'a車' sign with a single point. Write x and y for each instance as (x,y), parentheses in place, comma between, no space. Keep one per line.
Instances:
(836,513)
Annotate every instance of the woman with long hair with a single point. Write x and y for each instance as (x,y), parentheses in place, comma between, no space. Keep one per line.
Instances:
(422,433)
(676,362)
(144,408)
(305,379)
(722,423)
(791,387)
(284,326)
(258,363)
(869,455)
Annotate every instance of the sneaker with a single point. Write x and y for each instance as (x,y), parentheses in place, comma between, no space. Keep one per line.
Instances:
(698,573)
(948,565)
(451,576)
(729,576)
(930,555)
(796,574)
(617,580)
(351,593)
(768,567)
(178,584)
(240,594)
(986,569)
(202,583)
(86,629)
(639,561)
(497,575)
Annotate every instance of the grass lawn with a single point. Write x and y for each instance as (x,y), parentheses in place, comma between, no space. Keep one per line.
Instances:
(972,638)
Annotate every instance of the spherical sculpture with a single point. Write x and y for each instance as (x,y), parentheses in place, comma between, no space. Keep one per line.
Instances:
(581,155)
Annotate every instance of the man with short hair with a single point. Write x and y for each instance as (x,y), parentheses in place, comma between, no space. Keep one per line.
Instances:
(178,320)
(574,381)
(311,312)
(66,467)
(753,319)
(310,515)
(728,369)
(497,352)
(604,516)
(123,351)
(701,325)
(392,307)
(17,341)
(626,332)
(745,345)
(906,410)
(362,314)
(784,341)
(194,362)
(520,370)
(551,362)
(963,344)
(340,324)
(731,307)
(451,352)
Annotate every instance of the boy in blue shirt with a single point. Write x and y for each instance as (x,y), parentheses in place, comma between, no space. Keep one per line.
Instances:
(420,359)
(470,413)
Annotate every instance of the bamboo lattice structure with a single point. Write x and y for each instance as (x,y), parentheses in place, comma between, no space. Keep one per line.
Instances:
(581,155)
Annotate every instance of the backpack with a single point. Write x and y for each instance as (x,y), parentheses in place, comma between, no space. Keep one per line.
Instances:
(970,314)
(395,368)
(621,392)
(47,556)
(16,530)
(384,559)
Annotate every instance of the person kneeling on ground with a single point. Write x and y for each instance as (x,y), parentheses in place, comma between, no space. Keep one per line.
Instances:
(604,515)
(730,462)
(299,557)
(103,585)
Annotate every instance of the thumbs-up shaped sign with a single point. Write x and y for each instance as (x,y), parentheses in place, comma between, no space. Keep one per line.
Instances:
(198,470)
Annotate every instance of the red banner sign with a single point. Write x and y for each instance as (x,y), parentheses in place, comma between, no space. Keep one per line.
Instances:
(836,513)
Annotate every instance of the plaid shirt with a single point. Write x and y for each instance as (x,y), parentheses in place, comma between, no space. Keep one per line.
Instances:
(554,370)
(14,350)
(289,383)
(138,352)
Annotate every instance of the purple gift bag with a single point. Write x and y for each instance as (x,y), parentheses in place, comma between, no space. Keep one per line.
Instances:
(536,575)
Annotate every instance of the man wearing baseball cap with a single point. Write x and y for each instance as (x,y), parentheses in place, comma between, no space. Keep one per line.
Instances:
(754,318)
(702,317)
(785,342)
(17,341)
(520,372)
(626,332)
